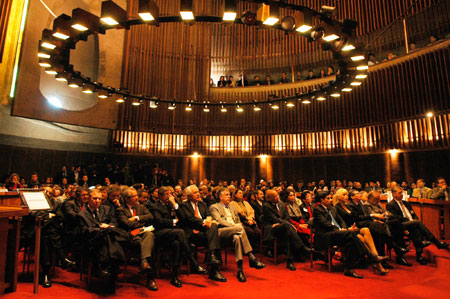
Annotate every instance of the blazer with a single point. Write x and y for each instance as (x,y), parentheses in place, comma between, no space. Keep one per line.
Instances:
(190,222)
(360,215)
(248,208)
(123,214)
(424,192)
(91,224)
(70,210)
(439,194)
(270,217)
(218,213)
(348,218)
(305,212)
(258,210)
(164,215)
(323,225)
(393,208)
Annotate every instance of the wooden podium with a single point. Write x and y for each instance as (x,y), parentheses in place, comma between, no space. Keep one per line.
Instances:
(11,211)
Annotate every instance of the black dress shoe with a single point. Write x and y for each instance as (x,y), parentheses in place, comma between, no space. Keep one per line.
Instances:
(290,266)
(401,261)
(442,245)
(217,276)
(151,285)
(66,263)
(240,276)
(214,261)
(256,264)
(198,270)
(175,282)
(401,250)
(46,283)
(351,273)
(373,258)
(424,244)
(421,260)
(386,265)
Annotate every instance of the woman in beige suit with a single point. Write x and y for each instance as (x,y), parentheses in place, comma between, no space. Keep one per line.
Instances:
(247,217)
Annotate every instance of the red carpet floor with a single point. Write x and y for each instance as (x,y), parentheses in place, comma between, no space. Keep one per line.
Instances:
(275,281)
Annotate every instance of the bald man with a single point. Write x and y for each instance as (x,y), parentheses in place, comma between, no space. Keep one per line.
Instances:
(276,225)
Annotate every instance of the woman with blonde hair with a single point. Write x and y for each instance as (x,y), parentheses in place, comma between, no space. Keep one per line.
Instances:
(340,200)
(247,216)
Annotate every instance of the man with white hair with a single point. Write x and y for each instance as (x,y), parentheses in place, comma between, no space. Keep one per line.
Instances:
(201,229)
(231,228)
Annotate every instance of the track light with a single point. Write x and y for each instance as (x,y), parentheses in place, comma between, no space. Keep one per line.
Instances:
(188,107)
(84,21)
(51,71)
(186,11)
(172,106)
(61,27)
(136,103)
(148,10)
(361,76)
(306,101)
(239,109)
(223,109)
(112,14)
(153,104)
(303,21)
(63,77)
(357,57)
(348,47)
(44,52)
(288,23)
(321,98)
(206,109)
(229,13)
(75,82)
(355,83)
(268,14)
(256,108)
(335,94)
(103,93)
(274,106)
(248,18)
(290,104)
(362,67)
(88,88)
(330,37)
(48,44)
(346,89)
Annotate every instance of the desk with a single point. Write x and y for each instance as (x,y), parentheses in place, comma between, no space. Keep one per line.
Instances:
(11,211)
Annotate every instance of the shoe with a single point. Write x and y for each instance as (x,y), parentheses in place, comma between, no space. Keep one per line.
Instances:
(47,283)
(240,276)
(213,260)
(175,282)
(424,244)
(378,269)
(151,284)
(198,270)
(217,276)
(442,245)
(102,273)
(421,260)
(290,265)
(145,267)
(254,263)
(351,273)
(401,261)
(373,258)
(400,250)
(386,265)
(66,263)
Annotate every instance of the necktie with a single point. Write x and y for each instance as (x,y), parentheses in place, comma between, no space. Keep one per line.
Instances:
(196,215)
(405,211)
(278,210)
(333,221)
(95,214)
(134,211)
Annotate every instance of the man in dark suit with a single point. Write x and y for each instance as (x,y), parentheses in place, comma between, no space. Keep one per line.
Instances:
(275,222)
(231,228)
(403,211)
(200,229)
(71,221)
(170,235)
(65,173)
(113,201)
(442,191)
(330,229)
(137,220)
(99,226)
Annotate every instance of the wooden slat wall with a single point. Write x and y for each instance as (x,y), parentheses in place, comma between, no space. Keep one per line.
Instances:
(401,89)
(422,133)
(5,9)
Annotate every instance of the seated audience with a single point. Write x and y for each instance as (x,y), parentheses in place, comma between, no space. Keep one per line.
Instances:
(421,191)
(276,224)
(269,81)
(442,191)
(231,229)
(310,75)
(403,211)
(246,216)
(283,79)
(231,82)
(14,182)
(222,82)
(242,81)
(331,229)
(295,215)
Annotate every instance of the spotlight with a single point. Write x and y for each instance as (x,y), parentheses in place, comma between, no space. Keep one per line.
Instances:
(186,10)
(361,76)
(362,67)
(239,109)
(288,23)
(44,52)
(248,18)
(330,37)
(348,47)
(112,14)
(357,57)
(172,106)
(83,20)
(61,27)
(290,104)
(153,104)
(229,13)
(51,71)
(303,21)
(148,10)
(274,106)
(223,109)
(355,83)
(63,77)
(256,108)
(103,93)
(430,114)
(44,62)
(136,103)
(188,107)
(48,44)
(306,101)
(346,89)
(317,33)
(88,88)
(55,102)
(75,82)
(268,14)
(206,109)
(321,98)
(335,94)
